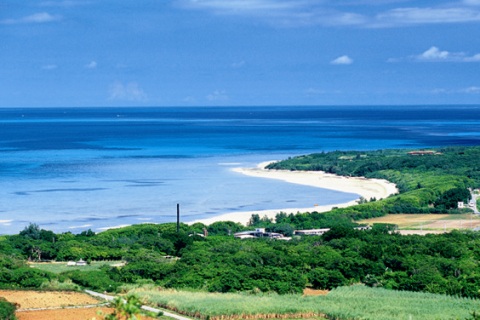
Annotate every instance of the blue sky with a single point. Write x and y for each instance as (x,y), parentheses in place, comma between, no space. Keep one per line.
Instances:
(238,52)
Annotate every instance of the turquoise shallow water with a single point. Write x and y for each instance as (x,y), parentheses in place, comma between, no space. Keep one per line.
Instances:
(74,169)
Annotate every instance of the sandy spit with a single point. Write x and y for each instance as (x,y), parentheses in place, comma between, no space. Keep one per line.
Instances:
(366,188)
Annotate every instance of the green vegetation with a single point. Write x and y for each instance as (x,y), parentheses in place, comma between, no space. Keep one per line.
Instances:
(354,302)
(444,263)
(60,267)
(7,310)
(432,182)
(15,273)
(127,309)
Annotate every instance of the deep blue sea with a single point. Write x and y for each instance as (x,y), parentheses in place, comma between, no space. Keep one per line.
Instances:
(73,169)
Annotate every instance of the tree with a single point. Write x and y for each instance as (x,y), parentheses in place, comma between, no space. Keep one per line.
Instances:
(283,228)
(254,220)
(450,198)
(321,278)
(31,231)
(224,228)
(88,233)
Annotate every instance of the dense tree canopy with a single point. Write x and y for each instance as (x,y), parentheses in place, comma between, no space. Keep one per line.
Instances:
(446,263)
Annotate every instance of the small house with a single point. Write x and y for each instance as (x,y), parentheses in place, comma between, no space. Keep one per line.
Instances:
(311,232)
(81,262)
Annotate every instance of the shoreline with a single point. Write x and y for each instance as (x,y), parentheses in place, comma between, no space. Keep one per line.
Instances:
(366,188)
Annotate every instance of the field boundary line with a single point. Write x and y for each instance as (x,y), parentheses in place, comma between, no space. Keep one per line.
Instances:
(88,306)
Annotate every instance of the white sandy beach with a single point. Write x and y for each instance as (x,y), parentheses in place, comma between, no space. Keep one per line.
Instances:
(366,188)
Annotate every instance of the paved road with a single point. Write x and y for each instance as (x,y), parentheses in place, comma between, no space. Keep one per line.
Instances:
(110,298)
(474,198)
(475,208)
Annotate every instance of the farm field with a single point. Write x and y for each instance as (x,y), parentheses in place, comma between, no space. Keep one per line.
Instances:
(59,303)
(427,223)
(352,302)
(62,314)
(56,305)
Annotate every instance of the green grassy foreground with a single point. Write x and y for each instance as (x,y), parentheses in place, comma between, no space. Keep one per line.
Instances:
(354,302)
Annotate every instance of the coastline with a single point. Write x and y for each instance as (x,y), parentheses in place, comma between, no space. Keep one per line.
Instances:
(366,188)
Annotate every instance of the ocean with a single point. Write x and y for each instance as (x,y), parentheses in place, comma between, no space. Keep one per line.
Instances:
(73,169)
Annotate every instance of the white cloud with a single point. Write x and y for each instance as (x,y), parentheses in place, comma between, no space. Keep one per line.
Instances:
(468,90)
(314,91)
(65,3)
(281,13)
(472,2)
(434,54)
(129,92)
(242,6)
(217,95)
(344,19)
(345,60)
(472,90)
(41,17)
(189,99)
(91,65)
(50,67)
(412,16)
(341,13)
(439,91)
(238,64)
(474,58)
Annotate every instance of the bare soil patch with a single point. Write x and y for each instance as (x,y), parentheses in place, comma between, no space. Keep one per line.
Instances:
(47,299)
(314,292)
(419,232)
(60,305)
(70,314)
(62,314)
(428,223)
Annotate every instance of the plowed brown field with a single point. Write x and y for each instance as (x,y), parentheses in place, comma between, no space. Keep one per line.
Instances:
(63,314)
(47,299)
(70,305)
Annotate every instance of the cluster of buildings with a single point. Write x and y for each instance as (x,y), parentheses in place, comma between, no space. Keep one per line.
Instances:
(261,233)
(424,153)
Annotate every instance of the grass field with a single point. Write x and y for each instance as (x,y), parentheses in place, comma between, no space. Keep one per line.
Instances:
(355,302)
(428,222)
(58,267)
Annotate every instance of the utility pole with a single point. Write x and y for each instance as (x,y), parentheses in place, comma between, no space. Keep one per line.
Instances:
(178,218)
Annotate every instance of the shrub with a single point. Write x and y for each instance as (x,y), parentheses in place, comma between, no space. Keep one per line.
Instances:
(7,310)
(321,278)
(145,270)
(56,285)
(95,280)
(26,278)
